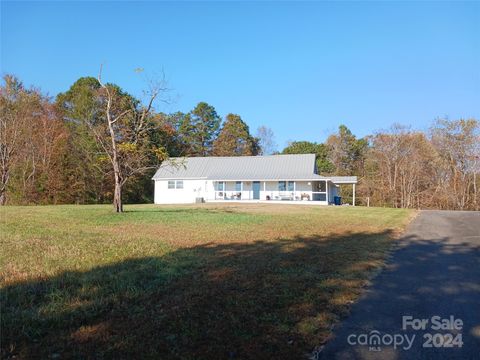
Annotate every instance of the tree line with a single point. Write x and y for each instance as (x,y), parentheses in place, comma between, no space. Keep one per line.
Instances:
(95,143)
(403,168)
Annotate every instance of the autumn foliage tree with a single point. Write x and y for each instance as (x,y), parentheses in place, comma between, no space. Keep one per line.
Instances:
(96,144)
(346,152)
(235,139)
(17,108)
(32,146)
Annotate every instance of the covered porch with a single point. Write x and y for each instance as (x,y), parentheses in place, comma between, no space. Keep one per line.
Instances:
(320,191)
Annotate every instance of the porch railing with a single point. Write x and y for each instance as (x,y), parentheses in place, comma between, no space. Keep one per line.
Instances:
(271,195)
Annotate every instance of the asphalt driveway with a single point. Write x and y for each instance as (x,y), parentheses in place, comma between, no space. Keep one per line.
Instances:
(431,281)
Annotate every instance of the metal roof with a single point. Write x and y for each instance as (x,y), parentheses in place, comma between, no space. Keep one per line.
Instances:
(343,179)
(241,168)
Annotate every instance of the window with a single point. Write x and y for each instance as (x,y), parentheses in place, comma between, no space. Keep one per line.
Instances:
(238,186)
(282,185)
(175,184)
(291,186)
(220,186)
(319,197)
(321,186)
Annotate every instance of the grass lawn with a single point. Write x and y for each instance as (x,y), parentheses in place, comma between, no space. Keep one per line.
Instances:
(249,281)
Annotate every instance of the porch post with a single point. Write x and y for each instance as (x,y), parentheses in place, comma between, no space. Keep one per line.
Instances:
(353,201)
(327,188)
(264,190)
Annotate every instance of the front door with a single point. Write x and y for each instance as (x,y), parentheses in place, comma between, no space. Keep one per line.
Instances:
(256,190)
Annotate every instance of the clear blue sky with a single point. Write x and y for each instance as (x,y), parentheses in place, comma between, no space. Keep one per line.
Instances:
(300,68)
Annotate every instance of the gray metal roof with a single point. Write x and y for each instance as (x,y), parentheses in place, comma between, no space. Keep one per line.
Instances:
(247,168)
(343,179)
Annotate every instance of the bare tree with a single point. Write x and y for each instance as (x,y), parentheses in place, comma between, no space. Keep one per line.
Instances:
(266,140)
(124,134)
(457,143)
(403,164)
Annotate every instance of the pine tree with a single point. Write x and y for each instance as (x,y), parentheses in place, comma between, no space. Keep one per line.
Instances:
(235,139)
(199,129)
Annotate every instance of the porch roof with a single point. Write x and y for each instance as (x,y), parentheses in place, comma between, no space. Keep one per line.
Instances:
(344,179)
(334,179)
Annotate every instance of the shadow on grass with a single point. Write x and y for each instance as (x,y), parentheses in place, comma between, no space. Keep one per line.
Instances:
(257,300)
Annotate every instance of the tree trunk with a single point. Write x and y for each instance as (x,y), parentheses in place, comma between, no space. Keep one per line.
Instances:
(117,195)
(3,187)
(475,207)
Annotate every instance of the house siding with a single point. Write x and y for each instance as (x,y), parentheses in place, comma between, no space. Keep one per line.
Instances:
(206,189)
(200,175)
(191,189)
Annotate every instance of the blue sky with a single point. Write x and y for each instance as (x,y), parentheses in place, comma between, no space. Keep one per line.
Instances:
(301,68)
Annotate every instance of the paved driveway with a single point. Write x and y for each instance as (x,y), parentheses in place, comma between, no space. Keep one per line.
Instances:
(435,272)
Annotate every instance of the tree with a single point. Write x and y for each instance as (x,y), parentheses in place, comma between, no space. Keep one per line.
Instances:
(235,139)
(457,142)
(162,134)
(84,168)
(266,140)
(403,164)
(32,145)
(122,130)
(167,133)
(324,166)
(346,152)
(199,129)
(39,174)
(14,116)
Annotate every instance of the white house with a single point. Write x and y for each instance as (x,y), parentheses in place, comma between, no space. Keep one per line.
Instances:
(272,178)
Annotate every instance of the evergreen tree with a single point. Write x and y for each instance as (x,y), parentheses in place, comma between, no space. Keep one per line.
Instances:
(199,129)
(235,139)
(84,168)
(324,166)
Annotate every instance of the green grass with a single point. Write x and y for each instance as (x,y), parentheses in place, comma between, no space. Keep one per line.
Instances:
(184,282)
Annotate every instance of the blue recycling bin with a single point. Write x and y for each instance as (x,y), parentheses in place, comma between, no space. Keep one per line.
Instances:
(337,200)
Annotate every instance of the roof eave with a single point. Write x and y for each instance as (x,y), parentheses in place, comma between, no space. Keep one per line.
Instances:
(179,178)
(251,179)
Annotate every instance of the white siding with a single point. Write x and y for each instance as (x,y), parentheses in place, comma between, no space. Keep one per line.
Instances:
(191,190)
(206,189)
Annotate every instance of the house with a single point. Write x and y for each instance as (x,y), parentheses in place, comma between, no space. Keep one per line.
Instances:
(274,178)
